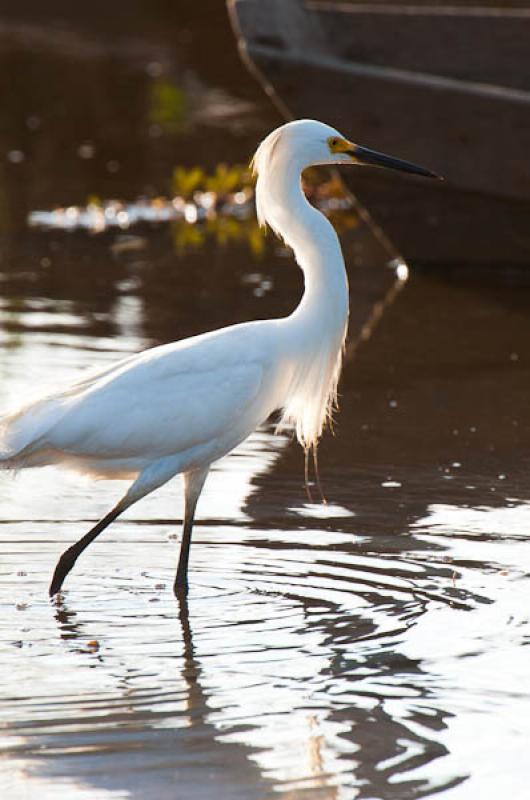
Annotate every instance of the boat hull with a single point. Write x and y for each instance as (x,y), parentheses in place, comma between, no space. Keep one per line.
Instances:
(474,133)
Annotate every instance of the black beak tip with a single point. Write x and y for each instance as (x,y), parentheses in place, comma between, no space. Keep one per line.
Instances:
(421,172)
(366,156)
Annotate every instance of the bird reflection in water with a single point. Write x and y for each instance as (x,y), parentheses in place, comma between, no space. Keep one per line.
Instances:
(336,711)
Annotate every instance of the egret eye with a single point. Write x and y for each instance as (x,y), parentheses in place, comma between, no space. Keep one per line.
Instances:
(333,143)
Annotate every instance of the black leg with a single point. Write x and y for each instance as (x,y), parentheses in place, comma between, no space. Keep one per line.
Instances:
(193,483)
(69,557)
(181,580)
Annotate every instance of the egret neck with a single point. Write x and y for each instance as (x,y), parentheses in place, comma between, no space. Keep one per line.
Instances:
(315,331)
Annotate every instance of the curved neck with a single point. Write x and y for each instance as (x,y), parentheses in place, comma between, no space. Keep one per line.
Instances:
(282,203)
(315,331)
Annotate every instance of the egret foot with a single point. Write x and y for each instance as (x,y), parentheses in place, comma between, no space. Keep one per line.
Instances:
(70,556)
(64,565)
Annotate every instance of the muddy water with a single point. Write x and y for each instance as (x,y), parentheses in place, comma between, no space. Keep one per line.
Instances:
(373,647)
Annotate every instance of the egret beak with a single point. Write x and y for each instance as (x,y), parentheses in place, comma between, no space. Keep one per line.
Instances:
(363,155)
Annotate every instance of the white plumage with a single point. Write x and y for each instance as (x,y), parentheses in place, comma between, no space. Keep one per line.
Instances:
(179,407)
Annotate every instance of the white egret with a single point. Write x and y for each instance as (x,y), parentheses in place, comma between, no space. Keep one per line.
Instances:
(179,407)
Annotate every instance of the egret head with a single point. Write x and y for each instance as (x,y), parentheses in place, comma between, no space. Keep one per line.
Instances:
(306,142)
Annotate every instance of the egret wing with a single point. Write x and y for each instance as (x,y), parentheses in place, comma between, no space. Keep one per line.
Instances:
(170,413)
(160,402)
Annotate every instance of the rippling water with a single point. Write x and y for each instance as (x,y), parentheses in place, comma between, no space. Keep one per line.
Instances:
(373,647)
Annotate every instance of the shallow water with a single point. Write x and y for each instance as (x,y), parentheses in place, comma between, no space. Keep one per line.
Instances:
(373,647)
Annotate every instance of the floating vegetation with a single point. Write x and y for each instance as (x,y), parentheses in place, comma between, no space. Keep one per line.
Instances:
(203,206)
(222,184)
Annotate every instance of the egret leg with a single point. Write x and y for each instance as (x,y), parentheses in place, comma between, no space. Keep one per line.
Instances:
(193,484)
(150,479)
(70,556)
